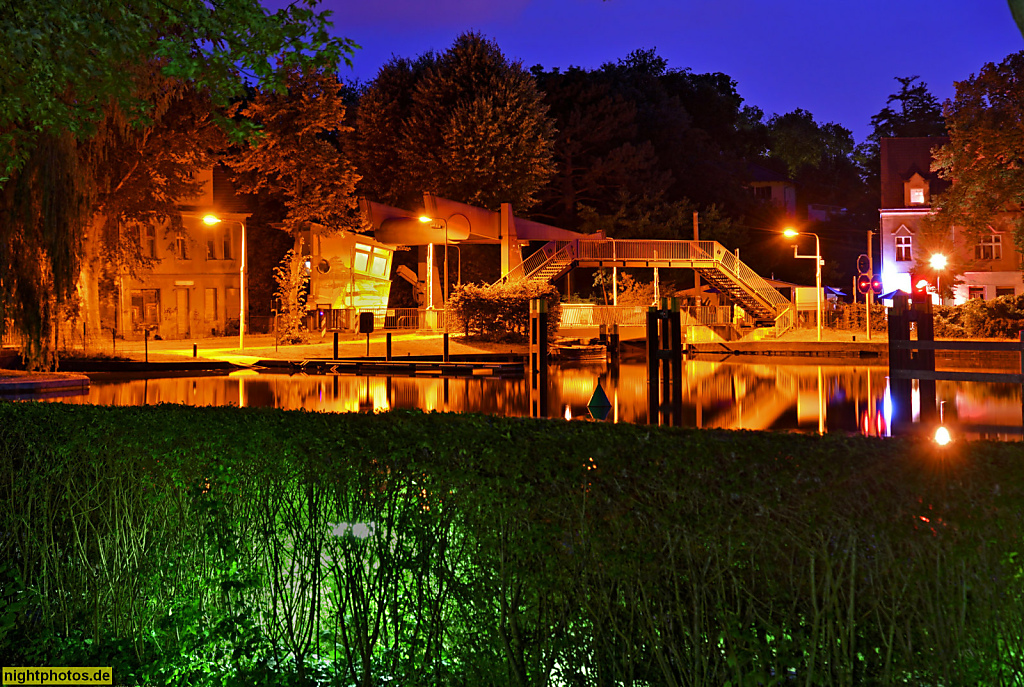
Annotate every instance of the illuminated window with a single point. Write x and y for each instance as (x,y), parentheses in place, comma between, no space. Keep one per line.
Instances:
(904,248)
(989,248)
(976,293)
(917,196)
(372,260)
(145,307)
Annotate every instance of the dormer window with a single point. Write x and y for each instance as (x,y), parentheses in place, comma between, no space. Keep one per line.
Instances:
(915,190)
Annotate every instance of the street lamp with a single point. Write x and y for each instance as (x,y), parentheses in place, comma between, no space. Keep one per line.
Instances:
(791,233)
(211,220)
(431,220)
(938,262)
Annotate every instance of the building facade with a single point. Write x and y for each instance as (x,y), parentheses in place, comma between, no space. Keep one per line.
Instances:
(192,287)
(991,265)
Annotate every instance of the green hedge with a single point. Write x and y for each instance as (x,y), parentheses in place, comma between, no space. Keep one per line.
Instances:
(997,318)
(225,546)
(501,312)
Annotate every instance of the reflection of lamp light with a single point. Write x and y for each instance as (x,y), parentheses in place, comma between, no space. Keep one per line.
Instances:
(791,233)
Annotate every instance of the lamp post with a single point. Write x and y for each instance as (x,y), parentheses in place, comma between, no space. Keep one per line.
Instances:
(444,292)
(211,220)
(791,233)
(938,263)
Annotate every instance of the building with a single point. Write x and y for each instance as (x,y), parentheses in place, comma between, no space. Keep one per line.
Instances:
(908,188)
(772,187)
(191,289)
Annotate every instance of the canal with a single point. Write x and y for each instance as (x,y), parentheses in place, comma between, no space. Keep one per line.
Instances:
(810,398)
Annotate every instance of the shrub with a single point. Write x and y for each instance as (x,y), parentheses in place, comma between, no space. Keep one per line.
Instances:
(998,318)
(501,312)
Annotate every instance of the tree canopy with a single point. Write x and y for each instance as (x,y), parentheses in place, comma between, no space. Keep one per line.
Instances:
(466,124)
(985,155)
(68,66)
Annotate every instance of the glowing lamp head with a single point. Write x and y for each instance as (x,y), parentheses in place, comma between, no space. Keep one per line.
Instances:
(211,219)
(942,436)
(424,219)
(938,261)
(790,233)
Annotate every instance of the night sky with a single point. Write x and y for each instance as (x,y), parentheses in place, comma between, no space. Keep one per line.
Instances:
(834,58)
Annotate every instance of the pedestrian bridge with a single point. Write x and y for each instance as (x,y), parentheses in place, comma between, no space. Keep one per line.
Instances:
(710,259)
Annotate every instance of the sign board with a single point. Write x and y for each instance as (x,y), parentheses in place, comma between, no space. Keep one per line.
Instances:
(366,323)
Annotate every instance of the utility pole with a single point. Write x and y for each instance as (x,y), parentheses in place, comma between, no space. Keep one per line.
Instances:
(870,295)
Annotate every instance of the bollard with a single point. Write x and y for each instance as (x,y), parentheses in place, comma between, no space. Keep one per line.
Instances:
(195,350)
(446,347)
(146,337)
(335,345)
(387,355)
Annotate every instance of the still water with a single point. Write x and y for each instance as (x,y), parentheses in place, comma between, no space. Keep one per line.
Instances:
(729,395)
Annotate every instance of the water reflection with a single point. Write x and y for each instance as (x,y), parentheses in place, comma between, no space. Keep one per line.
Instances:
(729,395)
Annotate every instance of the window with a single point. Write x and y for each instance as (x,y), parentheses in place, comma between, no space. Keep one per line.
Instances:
(211,249)
(181,247)
(227,245)
(149,241)
(904,248)
(917,196)
(1004,291)
(976,293)
(145,307)
(372,260)
(989,248)
(763,192)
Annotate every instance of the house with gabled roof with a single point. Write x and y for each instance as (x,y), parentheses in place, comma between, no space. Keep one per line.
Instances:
(993,265)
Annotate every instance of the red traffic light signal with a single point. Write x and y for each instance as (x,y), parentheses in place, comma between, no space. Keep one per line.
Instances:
(919,286)
(864,283)
(876,285)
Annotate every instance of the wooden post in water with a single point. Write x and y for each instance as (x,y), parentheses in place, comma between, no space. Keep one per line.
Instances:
(538,372)
(899,360)
(926,360)
(665,364)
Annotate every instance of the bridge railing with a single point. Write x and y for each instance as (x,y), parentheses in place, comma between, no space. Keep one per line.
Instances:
(754,281)
(588,315)
(609,249)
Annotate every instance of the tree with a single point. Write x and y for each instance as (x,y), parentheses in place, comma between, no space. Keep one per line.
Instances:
(473,128)
(985,155)
(298,155)
(64,63)
(911,111)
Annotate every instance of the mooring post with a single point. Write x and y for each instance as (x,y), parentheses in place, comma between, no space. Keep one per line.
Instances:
(335,345)
(387,351)
(446,347)
(676,335)
(899,360)
(613,345)
(538,360)
(926,359)
(146,339)
(653,365)
(195,350)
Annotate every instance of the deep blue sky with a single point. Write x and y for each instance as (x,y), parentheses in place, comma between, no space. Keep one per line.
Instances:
(834,58)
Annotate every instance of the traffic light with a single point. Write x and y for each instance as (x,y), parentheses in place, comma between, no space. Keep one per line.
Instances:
(919,287)
(864,283)
(876,285)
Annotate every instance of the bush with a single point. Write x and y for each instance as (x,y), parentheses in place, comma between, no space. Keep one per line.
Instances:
(254,546)
(501,312)
(998,318)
